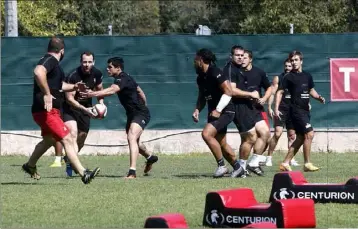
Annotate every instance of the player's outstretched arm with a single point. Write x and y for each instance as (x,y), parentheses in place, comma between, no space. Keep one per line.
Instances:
(70,99)
(238,93)
(113,89)
(317,96)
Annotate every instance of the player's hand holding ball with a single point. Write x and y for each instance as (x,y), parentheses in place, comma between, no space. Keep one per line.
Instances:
(99,110)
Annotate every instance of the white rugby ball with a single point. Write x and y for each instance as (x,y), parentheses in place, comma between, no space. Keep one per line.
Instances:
(100,110)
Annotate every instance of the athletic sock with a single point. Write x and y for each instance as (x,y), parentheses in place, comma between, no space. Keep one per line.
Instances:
(221,162)
(236,165)
(254,161)
(243,163)
(58,159)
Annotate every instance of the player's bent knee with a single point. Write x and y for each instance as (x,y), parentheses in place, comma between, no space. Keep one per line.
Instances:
(309,135)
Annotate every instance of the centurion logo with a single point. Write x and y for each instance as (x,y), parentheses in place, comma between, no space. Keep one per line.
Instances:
(215,218)
(284,193)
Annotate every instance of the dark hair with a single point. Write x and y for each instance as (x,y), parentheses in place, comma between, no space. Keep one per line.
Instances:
(295,53)
(87,53)
(116,62)
(249,53)
(233,48)
(287,60)
(55,45)
(207,56)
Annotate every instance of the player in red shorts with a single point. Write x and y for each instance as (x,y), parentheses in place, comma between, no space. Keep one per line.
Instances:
(48,97)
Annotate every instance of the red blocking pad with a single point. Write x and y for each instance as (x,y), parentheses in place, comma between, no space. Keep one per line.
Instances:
(239,208)
(169,220)
(289,185)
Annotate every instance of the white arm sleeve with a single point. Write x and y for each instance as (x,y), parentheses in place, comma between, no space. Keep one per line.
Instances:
(224,101)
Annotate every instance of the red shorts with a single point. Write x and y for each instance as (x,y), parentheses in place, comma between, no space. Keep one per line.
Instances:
(265,117)
(51,123)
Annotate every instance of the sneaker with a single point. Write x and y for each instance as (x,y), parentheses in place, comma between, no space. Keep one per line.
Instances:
(268,162)
(220,171)
(293,162)
(285,167)
(255,169)
(56,164)
(240,172)
(149,163)
(130,176)
(89,175)
(309,167)
(31,170)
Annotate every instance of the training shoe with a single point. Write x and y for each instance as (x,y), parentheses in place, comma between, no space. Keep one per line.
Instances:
(240,172)
(31,170)
(255,169)
(130,176)
(89,175)
(149,163)
(220,171)
(268,162)
(309,167)
(285,167)
(56,164)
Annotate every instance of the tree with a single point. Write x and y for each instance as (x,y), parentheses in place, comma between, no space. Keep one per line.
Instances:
(47,18)
(181,16)
(126,17)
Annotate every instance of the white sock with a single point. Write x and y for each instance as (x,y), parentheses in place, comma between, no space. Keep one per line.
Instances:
(131,168)
(58,159)
(254,161)
(269,158)
(242,163)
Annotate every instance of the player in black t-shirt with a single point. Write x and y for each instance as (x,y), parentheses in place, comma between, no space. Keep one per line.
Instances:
(47,102)
(133,99)
(215,90)
(253,129)
(285,121)
(76,111)
(299,84)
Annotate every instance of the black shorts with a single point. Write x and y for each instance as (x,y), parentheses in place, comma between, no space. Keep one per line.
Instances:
(246,117)
(285,120)
(83,120)
(301,120)
(140,119)
(222,122)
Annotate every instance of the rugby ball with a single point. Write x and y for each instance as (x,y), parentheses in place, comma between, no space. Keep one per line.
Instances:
(100,111)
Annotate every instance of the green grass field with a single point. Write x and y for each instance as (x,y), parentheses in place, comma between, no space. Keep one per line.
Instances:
(176,184)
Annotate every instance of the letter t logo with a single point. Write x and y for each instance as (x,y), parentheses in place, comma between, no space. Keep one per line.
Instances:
(347,71)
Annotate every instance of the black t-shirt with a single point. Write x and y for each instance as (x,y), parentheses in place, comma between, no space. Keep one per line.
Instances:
(286,97)
(129,96)
(93,79)
(251,80)
(55,76)
(209,83)
(298,85)
(233,72)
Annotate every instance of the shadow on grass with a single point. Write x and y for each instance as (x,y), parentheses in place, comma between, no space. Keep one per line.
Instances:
(24,183)
(195,175)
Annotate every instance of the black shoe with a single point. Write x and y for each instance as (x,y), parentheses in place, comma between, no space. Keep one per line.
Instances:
(257,170)
(31,170)
(88,176)
(149,163)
